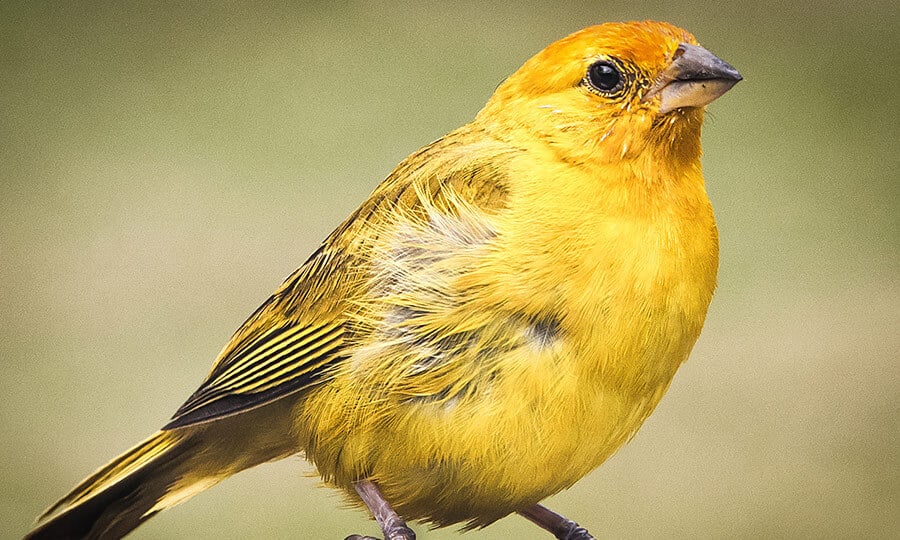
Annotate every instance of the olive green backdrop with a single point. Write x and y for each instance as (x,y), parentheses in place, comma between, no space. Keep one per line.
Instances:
(163,167)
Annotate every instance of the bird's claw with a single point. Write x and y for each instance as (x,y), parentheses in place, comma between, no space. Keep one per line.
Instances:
(575,531)
(401,532)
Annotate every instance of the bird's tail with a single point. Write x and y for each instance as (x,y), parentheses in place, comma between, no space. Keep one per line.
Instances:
(165,470)
(154,475)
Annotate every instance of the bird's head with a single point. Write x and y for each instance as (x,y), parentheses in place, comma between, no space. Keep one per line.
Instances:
(613,91)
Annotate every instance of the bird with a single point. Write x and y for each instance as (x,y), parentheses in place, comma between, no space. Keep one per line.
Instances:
(491,324)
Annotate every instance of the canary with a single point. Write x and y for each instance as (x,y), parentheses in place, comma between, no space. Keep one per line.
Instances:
(490,325)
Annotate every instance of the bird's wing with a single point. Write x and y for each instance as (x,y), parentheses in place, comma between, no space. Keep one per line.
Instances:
(302,333)
(287,345)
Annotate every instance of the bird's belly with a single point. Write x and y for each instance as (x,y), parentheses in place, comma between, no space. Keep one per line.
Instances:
(533,428)
(515,413)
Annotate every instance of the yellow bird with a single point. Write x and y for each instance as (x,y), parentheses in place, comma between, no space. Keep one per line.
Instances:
(490,325)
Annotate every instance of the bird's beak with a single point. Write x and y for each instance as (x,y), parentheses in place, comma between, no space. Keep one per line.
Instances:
(695,78)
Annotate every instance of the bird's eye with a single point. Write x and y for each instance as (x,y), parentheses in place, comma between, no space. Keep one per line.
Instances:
(605,77)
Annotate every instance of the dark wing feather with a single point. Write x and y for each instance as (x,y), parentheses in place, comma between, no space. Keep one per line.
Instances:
(280,362)
(295,339)
(287,345)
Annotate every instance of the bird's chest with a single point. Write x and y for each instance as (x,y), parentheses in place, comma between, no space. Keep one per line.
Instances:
(638,296)
(630,306)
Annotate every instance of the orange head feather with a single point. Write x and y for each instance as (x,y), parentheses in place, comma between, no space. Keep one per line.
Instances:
(598,95)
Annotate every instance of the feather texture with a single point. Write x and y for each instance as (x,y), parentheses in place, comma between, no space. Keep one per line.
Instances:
(496,319)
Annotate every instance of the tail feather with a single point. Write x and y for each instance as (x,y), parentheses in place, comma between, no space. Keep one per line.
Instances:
(167,469)
(126,492)
(115,470)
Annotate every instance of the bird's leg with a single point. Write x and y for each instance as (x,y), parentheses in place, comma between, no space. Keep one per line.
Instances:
(392,525)
(562,528)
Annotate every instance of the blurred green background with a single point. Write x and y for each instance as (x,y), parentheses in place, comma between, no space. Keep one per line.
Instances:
(164,166)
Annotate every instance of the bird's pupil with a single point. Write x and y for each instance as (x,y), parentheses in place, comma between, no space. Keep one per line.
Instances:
(604,76)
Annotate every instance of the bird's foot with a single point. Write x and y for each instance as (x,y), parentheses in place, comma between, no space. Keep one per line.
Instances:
(395,532)
(400,532)
(574,531)
(559,526)
(392,525)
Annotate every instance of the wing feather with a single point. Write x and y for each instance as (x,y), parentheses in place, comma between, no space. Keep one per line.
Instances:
(311,324)
(275,364)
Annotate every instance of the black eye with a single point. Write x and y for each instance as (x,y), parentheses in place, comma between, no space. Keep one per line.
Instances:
(605,77)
